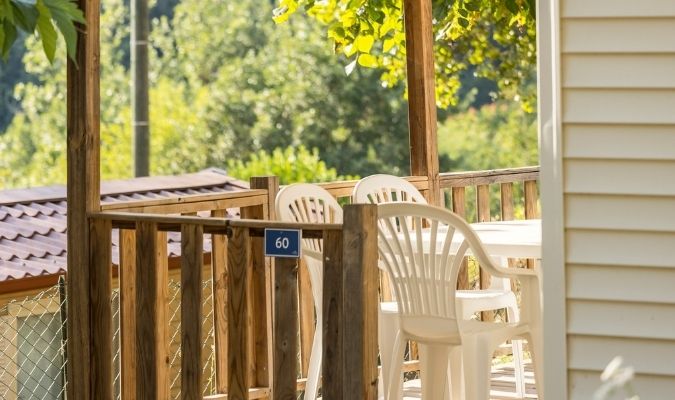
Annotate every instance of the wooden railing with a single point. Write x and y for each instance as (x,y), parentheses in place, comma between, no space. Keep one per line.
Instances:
(255,305)
(261,329)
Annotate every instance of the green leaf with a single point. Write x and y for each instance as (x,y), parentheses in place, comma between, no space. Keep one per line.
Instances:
(63,13)
(364,43)
(512,6)
(9,36)
(368,61)
(46,30)
(388,44)
(25,16)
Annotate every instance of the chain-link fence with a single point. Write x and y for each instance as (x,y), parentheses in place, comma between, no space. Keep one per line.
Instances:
(32,344)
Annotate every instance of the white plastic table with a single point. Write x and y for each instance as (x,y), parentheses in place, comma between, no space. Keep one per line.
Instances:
(512,239)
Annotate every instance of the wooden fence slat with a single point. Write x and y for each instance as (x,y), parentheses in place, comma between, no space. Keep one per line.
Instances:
(219,275)
(127,283)
(506,197)
(483,215)
(307,324)
(285,328)
(192,260)
(531,197)
(100,275)
(148,337)
(531,209)
(162,326)
(459,207)
(238,261)
(333,352)
(359,313)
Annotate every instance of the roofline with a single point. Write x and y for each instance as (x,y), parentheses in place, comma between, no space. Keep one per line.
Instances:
(55,193)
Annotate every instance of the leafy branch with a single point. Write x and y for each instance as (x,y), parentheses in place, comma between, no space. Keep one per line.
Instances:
(43,17)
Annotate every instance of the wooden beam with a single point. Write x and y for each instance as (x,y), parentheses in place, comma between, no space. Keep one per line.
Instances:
(127,279)
(238,261)
(285,328)
(422,94)
(359,312)
(192,248)
(151,362)
(260,306)
(100,260)
(219,274)
(333,351)
(83,124)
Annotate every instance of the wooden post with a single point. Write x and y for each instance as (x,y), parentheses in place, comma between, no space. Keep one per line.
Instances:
(192,260)
(359,313)
(422,95)
(100,260)
(83,124)
(127,279)
(219,275)
(531,209)
(238,261)
(260,305)
(333,350)
(285,328)
(151,365)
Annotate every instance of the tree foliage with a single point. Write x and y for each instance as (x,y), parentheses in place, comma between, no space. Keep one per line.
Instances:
(43,17)
(292,164)
(225,82)
(494,38)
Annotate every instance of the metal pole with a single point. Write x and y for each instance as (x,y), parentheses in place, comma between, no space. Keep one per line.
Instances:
(139,90)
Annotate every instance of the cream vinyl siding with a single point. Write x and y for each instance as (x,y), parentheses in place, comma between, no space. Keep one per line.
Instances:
(618,146)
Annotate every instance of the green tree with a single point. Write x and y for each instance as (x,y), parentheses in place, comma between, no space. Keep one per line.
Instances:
(290,165)
(494,38)
(261,87)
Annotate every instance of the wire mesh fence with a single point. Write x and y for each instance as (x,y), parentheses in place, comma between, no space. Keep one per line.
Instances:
(32,344)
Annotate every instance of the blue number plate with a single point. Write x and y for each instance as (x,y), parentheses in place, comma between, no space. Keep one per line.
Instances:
(282,242)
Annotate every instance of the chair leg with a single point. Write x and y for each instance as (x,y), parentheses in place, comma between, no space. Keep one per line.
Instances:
(434,361)
(537,349)
(476,356)
(388,327)
(456,374)
(394,387)
(517,347)
(314,370)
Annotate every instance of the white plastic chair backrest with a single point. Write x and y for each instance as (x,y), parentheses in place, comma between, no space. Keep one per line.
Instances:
(308,203)
(382,188)
(422,248)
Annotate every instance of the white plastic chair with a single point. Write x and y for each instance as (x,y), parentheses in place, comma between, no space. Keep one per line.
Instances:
(381,188)
(305,202)
(422,248)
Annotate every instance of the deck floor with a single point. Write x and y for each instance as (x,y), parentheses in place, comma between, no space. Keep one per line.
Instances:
(503,384)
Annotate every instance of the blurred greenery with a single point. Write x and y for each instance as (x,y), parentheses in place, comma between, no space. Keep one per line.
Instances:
(232,89)
(291,165)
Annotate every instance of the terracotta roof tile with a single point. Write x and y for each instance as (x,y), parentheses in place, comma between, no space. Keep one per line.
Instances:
(33,221)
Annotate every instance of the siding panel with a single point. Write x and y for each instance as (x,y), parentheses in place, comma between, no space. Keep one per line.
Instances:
(640,142)
(617,283)
(620,106)
(621,320)
(647,178)
(627,248)
(620,212)
(582,384)
(618,35)
(618,8)
(646,356)
(619,71)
